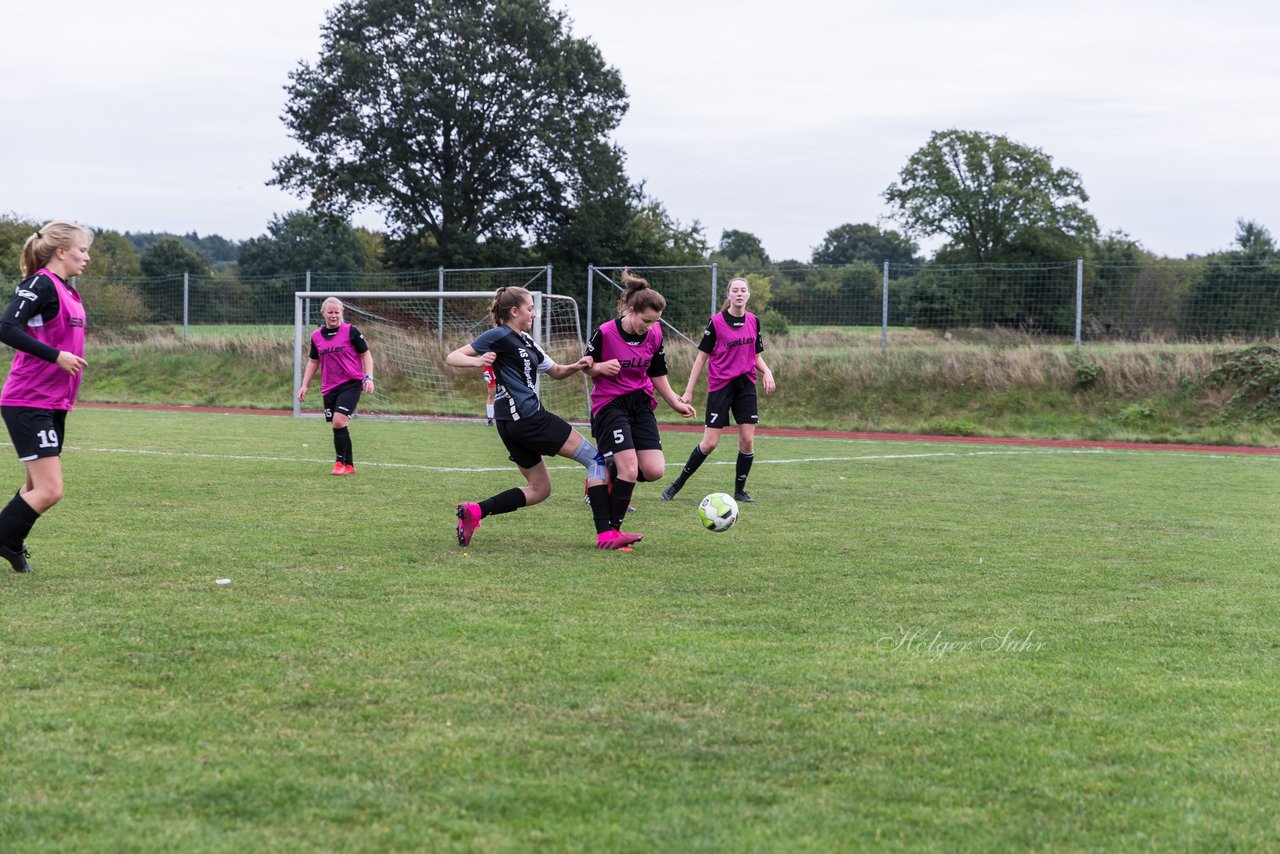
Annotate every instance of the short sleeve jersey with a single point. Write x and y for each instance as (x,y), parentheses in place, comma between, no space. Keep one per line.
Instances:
(49,311)
(641,355)
(338,351)
(731,343)
(518,363)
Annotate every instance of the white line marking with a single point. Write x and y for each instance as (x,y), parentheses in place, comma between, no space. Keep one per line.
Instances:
(729,461)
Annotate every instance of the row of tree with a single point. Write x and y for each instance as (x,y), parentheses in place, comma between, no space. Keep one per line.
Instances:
(481,130)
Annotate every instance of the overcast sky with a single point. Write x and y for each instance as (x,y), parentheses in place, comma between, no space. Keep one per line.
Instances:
(784,119)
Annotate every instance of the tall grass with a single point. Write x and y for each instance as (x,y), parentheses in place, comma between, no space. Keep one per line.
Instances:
(827,378)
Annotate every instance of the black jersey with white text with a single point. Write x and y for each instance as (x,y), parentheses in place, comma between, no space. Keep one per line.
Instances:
(518,363)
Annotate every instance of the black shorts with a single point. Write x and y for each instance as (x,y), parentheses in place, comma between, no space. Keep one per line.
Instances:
(35,432)
(738,397)
(626,423)
(531,439)
(342,399)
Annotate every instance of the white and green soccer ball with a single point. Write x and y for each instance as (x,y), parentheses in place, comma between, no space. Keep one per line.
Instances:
(718,511)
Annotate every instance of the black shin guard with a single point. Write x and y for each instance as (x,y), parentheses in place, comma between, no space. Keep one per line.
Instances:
(16,521)
(342,445)
(743,469)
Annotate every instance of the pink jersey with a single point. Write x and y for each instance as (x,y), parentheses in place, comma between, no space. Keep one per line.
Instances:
(339,361)
(735,351)
(635,360)
(33,381)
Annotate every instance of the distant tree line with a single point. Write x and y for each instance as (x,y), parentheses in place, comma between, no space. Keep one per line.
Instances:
(482,132)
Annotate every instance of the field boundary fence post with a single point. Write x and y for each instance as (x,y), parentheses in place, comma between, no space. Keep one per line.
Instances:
(440,305)
(715,269)
(1079,298)
(547,319)
(297,346)
(186,305)
(884,311)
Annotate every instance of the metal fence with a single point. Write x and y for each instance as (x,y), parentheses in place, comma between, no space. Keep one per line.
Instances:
(1194,300)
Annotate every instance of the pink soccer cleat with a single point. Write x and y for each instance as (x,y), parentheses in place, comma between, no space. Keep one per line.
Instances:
(617,540)
(468,521)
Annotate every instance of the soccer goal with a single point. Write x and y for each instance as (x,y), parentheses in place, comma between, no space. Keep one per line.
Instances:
(411,332)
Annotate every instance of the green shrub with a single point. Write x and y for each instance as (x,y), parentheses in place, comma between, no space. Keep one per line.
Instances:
(1255,374)
(774,323)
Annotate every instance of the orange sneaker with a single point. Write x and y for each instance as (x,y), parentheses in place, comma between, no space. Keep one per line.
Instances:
(339,468)
(349,470)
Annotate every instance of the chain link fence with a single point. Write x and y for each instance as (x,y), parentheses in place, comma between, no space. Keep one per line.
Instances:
(1208,299)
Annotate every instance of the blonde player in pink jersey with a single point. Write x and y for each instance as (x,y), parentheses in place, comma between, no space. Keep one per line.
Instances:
(731,349)
(45,323)
(629,366)
(340,353)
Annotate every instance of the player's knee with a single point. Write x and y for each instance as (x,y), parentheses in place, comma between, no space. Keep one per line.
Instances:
(536,493)
(589,458)
(44,496)
(653,471)
(708,444)
(747,446)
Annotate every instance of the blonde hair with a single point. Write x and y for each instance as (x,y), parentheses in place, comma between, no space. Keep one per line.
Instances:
(506,299)
(41,246)
(333,300)
(638,295)
(742,279)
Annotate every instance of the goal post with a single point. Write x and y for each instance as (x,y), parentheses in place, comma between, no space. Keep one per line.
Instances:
(411,332)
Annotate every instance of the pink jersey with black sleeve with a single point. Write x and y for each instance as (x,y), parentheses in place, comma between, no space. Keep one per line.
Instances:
(35,382)
(734,354)
(635,359)
(339,361)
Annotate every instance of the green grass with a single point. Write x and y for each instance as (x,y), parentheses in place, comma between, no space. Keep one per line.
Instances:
(828,378)
(904,646)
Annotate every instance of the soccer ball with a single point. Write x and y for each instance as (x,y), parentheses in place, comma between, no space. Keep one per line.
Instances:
(718,512)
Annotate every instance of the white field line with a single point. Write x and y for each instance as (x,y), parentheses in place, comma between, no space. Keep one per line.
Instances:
(730,458)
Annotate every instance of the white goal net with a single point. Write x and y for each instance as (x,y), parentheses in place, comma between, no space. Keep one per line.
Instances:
(411,332)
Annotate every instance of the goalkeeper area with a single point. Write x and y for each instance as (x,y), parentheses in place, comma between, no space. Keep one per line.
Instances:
(411,332)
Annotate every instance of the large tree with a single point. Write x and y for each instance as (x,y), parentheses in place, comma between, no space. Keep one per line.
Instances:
(741,248)
(300,241)
(848,243)
(988,195)
(462,121)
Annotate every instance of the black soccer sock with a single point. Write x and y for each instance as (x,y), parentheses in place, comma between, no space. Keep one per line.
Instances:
(598,496)
(619,501)
(504,502)
(16,521)
(342,445)
(744,469)
(696,459)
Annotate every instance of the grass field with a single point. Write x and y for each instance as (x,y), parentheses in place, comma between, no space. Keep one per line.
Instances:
(902,646)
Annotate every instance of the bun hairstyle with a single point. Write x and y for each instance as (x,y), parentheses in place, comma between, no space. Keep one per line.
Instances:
(638,295)
(41,246)
(505,300)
